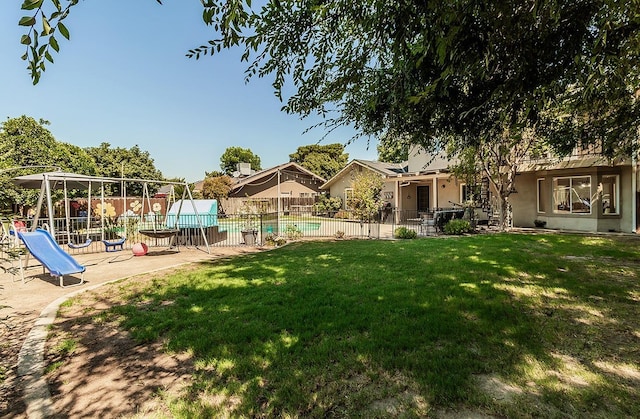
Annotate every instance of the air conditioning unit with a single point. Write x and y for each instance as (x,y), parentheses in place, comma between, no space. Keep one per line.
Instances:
(244,169)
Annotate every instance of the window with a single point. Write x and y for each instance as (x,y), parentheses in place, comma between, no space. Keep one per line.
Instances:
(610,200)
(469,192)
(542,203)
(572,195)
(348,196)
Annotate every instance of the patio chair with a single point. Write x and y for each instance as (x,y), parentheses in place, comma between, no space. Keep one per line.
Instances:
(428,224)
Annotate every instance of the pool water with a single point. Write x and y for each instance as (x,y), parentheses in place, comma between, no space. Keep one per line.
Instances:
(269,227)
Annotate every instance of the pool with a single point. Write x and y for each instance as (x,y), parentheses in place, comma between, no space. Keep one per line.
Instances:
(269,227)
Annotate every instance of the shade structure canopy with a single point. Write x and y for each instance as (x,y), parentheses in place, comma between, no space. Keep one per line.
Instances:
(57,180)
(49,181)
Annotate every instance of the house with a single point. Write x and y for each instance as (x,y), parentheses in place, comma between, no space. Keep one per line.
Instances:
(288,180)
(286,187)
(416,186)
(583,192)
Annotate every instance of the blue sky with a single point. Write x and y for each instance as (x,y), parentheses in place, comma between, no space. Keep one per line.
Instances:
(123,79)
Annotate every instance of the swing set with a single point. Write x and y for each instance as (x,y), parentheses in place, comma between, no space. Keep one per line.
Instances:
(151,223)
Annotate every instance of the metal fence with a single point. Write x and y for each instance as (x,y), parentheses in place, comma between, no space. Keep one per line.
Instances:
(77,236)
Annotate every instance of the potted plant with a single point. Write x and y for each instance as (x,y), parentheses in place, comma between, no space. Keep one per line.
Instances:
(539,223)
(249,228)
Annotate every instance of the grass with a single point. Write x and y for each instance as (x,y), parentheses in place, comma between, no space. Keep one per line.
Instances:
(506,325)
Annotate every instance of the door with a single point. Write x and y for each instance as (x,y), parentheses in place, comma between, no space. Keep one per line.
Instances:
(423,198)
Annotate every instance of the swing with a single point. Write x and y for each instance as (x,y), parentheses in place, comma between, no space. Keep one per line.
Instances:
(112,245)
(87,241)
(158,232)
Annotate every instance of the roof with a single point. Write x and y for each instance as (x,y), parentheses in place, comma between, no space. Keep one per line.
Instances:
(258,176)
(438,163)
(383,168)
(571,163)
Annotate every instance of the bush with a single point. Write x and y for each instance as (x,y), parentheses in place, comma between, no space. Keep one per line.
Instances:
(292,232)
(327,204)
(343,214)
(457,227)
(539,223)
(404,233)
(274,240)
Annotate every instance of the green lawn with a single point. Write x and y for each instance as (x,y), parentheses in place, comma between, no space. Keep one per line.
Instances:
(508,325)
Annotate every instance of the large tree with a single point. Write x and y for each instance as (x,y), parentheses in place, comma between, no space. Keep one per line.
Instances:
(218,188)
(323,160)
(234,155)
(132,163)
(393,149)
(461,73)
(366,200)
(27,146)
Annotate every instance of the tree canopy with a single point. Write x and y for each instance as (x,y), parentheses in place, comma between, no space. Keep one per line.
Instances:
(461,71)
(25,142)
(365,199)
(234,155)
(393,150)
(323,160)
(132,163)
(218,188)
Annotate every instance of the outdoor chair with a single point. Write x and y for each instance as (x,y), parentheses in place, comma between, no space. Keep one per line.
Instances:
(428,224)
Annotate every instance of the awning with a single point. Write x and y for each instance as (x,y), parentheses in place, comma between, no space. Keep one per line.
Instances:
(57,180)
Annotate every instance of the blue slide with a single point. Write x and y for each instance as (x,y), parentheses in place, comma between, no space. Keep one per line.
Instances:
(42,246)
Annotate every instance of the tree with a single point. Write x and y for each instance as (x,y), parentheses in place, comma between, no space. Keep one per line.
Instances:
(366,200)
(132,163)
(392,149)
(178,189)
(323,160)
(25,142)
(218,188)
(234,155)
(461,72)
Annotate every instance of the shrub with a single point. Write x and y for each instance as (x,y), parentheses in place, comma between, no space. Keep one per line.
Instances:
(274,240)
(292,232)
(343,214)
(404,233)
(539,223)
(457,227)
(327,204)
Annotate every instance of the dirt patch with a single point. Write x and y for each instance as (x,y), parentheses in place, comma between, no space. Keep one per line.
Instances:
(14,327)
(98,370)
(107,371)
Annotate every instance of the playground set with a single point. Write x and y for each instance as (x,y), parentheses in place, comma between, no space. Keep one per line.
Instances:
(97,220)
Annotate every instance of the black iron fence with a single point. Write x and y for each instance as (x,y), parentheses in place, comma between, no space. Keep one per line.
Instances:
(78,235)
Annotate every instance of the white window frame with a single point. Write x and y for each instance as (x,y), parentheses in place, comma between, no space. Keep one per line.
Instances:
(572,190)
(616,198)
(462,190)
(540,191)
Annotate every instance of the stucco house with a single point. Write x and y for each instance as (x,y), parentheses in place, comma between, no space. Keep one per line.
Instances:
(583,192)
(289,180)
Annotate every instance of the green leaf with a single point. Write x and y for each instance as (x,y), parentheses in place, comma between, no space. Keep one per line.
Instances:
(25,40)
(63,30)
(27,21)
(46,28)
(48,57)
(54,44)
(31,4)
(24,56)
